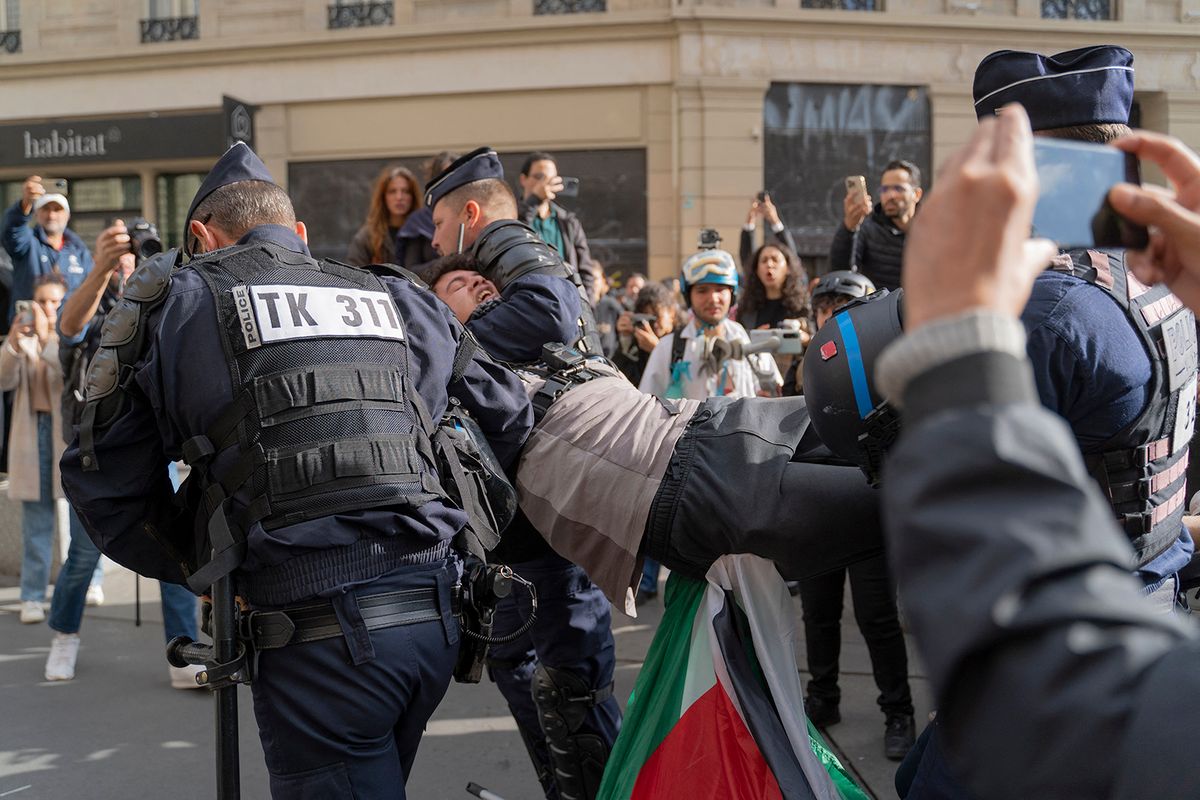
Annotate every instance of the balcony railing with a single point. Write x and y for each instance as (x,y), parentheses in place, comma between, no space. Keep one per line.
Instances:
(10,41)
(842,5)
(569,6)
(170,29)
(360,15)
(1076,9)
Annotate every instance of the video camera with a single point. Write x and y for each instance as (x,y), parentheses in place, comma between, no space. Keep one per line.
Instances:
(785,341)
(144,241)
(710,239)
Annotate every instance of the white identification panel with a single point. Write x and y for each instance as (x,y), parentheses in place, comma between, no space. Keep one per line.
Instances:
(278,313)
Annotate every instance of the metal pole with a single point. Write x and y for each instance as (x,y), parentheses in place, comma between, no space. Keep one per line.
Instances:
(225,650)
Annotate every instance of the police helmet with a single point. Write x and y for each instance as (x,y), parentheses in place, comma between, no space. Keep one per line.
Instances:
(843,281)
(709,266)
(847,411)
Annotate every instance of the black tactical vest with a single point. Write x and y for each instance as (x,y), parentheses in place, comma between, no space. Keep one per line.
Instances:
(324,418)
(1141,468)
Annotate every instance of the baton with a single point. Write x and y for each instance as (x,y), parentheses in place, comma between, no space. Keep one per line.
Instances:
(484,794)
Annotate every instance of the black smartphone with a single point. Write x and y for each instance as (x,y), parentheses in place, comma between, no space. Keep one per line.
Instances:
(570,187)
(1072,207)
(761,196)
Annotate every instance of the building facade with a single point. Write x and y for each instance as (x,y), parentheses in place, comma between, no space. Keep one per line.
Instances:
(673,113)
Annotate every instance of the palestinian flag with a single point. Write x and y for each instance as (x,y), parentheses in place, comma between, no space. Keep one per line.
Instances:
(717,710)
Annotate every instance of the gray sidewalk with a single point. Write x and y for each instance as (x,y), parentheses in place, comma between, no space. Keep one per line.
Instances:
(119,730)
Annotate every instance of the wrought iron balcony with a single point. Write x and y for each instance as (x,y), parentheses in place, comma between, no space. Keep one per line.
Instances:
(842,5)
(10,41)
(360,15)
(170,29)
(1076,9)
(569,6)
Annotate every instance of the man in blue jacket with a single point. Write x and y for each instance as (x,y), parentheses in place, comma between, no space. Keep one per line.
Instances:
(49,246)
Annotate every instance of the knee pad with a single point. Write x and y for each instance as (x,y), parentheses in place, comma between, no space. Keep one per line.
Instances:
(563,701)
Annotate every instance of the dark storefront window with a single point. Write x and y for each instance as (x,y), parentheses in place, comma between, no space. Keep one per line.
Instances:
(173,196)
(96,202)
(10,26)
(815,135)
(332,196)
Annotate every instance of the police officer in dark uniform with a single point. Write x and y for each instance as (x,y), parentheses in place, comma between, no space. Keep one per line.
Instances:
(557,676)
(1054,678)
(1114,357)
(301,394)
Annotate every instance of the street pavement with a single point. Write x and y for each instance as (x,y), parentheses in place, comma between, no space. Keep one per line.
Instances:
(120,731)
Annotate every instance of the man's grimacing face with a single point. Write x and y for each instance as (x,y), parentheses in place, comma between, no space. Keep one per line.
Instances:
(464,290)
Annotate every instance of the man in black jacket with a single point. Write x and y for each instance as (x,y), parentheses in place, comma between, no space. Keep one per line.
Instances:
(871,239)
(559,228)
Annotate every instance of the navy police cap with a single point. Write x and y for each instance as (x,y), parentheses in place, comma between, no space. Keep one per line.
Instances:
(238,164)
(478,165)
(1088,86)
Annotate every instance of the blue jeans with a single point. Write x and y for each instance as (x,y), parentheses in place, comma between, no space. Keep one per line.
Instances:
(178,603)
(37,519)
(649,581)
(70,590)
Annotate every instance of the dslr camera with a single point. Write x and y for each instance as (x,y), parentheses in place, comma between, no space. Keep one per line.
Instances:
(144,241)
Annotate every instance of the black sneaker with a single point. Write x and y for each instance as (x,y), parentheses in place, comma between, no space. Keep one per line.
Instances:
(822,713)
(898,736)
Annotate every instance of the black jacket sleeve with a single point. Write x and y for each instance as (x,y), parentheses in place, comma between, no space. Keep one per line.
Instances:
(841,250)
(1053,679)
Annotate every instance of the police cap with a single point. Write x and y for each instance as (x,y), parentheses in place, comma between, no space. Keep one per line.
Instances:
(478,165)
(238,164)
(1088,86)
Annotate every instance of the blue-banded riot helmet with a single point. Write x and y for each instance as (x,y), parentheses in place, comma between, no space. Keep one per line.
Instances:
(847,412)
(709,266)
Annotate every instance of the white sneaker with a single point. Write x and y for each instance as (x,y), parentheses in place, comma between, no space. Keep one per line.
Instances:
(185,677)
(32,612)
(95,595)
(60,665)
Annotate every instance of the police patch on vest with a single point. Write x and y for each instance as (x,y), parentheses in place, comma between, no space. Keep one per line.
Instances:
(1185,417)
(279,313)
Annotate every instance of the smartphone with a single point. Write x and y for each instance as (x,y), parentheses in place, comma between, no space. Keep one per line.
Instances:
(761,196)
(25,312)
(570,188)
(1072,208)
(58,185)
(856,184)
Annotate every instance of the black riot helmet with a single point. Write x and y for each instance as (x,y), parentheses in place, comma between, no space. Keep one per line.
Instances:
(843,281)
(839,380)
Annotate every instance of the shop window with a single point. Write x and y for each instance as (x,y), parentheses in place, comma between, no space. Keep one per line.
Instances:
(568,6)
(171,20)
(817,134)
(173,196)
(1077,9)
(10,26)
(96,202)
(332,197)
(360,14)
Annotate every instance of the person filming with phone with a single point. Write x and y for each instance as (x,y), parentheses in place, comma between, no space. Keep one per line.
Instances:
(49,246)
(871,237)
(540,184)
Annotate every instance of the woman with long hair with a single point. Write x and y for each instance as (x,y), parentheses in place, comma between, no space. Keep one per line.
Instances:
(395,196)
(776,288)
(776,296)
(414,244)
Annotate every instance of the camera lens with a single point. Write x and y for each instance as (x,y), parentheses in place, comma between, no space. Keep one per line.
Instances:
(143,238)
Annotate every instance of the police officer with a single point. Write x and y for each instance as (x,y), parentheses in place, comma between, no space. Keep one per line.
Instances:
(557,676)
(1114,357)
(1055,678)
(300,392)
